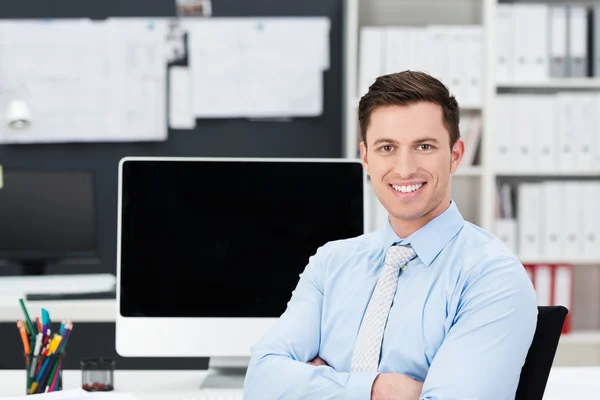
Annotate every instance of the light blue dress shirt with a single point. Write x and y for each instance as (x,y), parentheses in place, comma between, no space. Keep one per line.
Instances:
(462,320)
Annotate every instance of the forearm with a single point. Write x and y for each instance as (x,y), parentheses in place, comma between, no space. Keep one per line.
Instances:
(278,376)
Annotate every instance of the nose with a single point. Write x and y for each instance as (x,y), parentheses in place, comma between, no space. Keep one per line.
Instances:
(406,165)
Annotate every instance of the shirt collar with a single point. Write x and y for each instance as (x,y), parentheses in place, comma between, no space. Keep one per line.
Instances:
(429,240)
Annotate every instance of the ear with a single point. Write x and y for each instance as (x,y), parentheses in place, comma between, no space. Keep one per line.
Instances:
(363,156)
(458,150)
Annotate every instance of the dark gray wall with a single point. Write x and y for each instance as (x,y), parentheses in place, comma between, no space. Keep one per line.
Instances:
(305,137)
(302,137)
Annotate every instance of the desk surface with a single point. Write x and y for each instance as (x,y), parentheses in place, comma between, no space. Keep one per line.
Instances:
(565,383)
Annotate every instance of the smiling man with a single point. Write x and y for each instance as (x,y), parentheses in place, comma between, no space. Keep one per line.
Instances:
(431,307)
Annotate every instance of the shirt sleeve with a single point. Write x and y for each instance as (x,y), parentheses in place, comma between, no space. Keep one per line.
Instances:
(278,366)
(486,346)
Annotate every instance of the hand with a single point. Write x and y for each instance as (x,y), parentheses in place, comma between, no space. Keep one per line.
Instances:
(317,361)
(394,386)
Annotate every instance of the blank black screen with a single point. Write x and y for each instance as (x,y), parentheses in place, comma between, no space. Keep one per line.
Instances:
(228,239)
(46,214)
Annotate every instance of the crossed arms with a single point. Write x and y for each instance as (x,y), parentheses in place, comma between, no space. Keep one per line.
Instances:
(480,358)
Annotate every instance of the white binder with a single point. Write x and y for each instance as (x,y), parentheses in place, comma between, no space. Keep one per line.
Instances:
(590,231)
(538,42)
(523,108)
(558,41)
(371,57)
(506,231)
(397,49)
(584,129)
(554,214)
(520,35)
(504,137)
(546,136)
(474,63)
(530,218)
(573,218)
(543,284)
(505,57)
(566,131)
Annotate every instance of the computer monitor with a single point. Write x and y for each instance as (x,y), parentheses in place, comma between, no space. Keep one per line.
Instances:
(209,250)
(46,216)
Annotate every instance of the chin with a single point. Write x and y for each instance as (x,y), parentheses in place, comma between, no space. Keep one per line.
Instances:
(407,215)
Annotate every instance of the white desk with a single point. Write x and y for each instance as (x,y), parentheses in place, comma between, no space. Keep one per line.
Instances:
(145,385)
(565,383)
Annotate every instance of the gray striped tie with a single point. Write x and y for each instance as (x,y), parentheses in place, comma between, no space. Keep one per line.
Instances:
(368,343)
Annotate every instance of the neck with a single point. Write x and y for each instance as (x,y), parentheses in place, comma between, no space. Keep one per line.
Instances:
(405,228)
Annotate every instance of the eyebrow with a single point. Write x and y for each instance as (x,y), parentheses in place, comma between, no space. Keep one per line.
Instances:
(418,141)
(426,140)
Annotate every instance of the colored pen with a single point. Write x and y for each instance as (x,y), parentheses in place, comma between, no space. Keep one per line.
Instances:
(55,377)
(36,353)
(27,319)
(45,371)
(60,350)
(49,371)
(24,337)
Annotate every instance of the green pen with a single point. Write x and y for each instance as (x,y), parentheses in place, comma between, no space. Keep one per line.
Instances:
(28,321)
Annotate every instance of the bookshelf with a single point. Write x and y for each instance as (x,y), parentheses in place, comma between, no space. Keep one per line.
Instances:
(477,185)
(558,84)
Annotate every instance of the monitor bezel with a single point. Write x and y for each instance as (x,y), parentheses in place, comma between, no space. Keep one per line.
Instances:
(198,336)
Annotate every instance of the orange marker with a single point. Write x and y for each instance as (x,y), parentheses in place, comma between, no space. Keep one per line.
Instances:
(24,337)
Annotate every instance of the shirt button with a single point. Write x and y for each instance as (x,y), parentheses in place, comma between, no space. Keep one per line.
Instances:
(404,268)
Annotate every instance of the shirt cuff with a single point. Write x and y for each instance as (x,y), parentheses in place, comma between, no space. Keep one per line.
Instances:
(359,385)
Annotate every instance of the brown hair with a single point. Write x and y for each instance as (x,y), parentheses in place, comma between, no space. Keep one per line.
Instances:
(406,88)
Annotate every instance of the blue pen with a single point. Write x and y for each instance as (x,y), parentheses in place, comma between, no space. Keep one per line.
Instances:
(45,319)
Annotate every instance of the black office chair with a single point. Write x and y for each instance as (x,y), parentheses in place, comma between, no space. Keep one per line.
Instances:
(535,371)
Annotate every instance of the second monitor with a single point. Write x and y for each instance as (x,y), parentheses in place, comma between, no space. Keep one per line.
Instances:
(210,250)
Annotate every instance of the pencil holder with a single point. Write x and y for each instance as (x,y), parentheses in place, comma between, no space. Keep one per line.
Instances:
(97,374)
(44,373)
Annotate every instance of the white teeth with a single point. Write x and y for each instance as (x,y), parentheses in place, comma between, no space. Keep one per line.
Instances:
(407,189)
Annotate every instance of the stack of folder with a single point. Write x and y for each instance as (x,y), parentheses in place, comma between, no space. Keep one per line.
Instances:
(553,284)
(538,41)
(385,50)
(547,132)
(552,220)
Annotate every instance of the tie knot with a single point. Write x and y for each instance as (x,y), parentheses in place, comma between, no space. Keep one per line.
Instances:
(399,255)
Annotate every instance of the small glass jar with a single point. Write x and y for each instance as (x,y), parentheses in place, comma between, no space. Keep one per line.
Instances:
(97,374)
(44,373)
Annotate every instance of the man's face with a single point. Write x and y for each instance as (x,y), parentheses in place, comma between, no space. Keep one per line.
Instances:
(408,158)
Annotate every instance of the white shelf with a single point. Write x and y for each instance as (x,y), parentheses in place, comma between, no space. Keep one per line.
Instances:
(565,260)
(468,171)
(551,172)
(76,310)
(470,108)
(568,83)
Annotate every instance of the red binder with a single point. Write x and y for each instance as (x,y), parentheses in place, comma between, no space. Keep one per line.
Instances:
(553,284)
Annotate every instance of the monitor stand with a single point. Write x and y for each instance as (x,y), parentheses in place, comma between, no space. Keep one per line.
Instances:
(226,373)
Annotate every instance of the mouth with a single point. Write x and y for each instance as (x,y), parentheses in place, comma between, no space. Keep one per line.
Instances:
(407,191)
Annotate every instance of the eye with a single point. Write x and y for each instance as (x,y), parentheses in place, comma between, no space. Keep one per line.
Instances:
(425,147)
(386,148)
